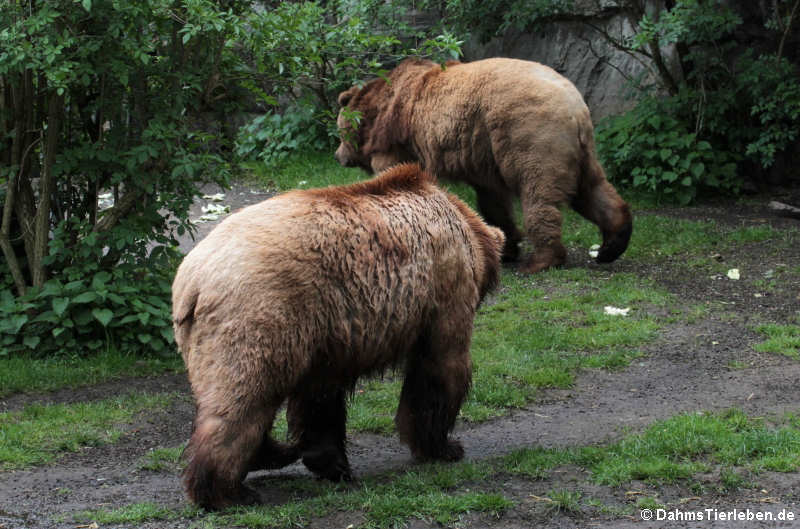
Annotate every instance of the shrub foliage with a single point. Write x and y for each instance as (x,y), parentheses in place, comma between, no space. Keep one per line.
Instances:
(107,112)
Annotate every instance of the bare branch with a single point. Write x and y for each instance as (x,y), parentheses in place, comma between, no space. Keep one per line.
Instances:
(787,28)
(112,216)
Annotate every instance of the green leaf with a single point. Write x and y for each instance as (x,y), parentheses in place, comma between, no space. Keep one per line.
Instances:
(687,181)
(16,322)
(60,305)
(104,316)
(168,334)
(81,318)
(129,318)
(698,169)
(144,338)
(57,331)
(86,297)
(87,5)
(31,341)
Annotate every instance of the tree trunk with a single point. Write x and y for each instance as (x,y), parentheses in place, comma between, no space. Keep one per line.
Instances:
(46,188)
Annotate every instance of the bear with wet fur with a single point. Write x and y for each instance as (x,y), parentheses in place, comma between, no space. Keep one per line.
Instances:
(295,298)
(508,128)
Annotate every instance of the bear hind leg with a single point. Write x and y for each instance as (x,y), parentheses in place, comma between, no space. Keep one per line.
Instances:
(543,224)
(273,454)
(219,455)
(317,417)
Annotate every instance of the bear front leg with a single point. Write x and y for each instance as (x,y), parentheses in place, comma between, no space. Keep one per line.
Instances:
(437,380)
(317,415)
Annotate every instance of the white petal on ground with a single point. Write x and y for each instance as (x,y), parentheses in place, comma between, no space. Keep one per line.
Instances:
(733,273)
(593,251)
(616,311)
(218,197)
(216,209)
(209,217)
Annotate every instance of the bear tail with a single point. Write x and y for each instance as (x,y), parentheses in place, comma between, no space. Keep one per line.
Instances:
(183,307)
(599,202)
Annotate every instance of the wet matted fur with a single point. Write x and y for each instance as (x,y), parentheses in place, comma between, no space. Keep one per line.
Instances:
(505,126)
(298,296)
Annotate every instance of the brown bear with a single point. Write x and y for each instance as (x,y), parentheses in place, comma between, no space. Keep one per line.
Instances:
(506,127)
(298,296)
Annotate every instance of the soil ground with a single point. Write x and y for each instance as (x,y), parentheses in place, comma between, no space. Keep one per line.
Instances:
(689,368)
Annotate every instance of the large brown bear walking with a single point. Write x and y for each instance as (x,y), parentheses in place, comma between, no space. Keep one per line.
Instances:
(507,127)
(300,295)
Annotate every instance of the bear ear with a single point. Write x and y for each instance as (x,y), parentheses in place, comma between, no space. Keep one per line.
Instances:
(347,95)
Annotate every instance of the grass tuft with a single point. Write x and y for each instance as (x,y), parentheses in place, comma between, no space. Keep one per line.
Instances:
(39,433)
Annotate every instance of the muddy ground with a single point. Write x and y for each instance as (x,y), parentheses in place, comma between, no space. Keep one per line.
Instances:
(689,368)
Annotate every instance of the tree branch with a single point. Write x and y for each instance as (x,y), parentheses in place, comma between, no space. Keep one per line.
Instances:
(788,26)
(112,216)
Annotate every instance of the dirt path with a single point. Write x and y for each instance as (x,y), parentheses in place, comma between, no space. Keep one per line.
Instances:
(687,369)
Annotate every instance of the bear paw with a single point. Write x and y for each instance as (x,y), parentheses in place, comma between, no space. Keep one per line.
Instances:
(328,466)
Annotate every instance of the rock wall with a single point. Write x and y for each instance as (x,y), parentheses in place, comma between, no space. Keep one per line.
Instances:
(578,52)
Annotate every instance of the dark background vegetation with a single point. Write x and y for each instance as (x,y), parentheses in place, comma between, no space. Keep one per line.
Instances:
(144,101)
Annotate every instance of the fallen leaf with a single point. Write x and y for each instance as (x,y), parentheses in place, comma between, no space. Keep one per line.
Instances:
(539,498)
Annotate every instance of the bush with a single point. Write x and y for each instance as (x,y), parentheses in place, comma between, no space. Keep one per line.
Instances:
(270,138)
(652,149)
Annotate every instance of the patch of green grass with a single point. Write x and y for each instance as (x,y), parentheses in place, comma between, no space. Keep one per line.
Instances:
(314,169)
(40,433)
(372,407)
(781,339)
(748,234)
(565,500)
(731,480)
(134,513)
(23,373)
(649,502)
(610,510)
(162,459)
(673,450)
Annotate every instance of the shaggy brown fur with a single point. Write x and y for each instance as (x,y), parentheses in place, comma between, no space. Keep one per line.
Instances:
(299,296)
(505,126)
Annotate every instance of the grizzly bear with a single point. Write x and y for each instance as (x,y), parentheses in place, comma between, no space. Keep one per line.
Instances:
(506,127)
(298,296)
